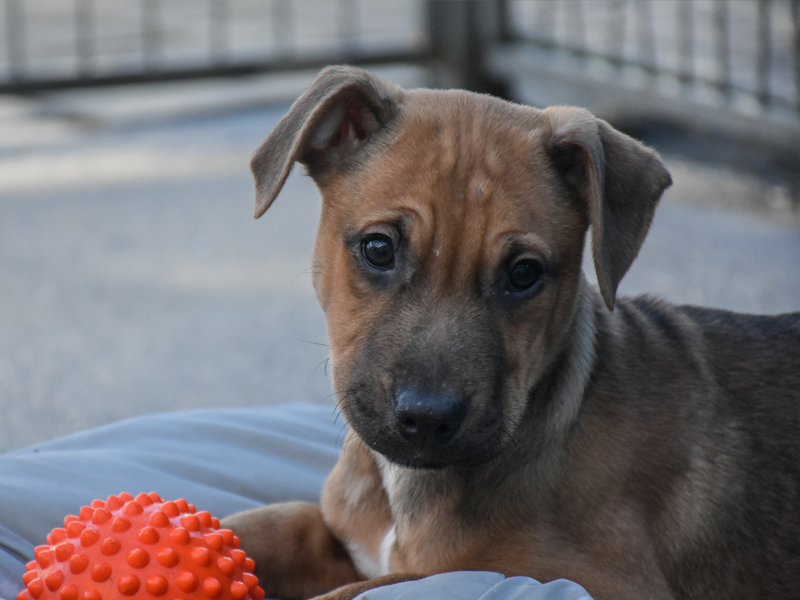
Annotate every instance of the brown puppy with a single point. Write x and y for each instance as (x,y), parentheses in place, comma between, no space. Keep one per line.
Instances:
(506,415)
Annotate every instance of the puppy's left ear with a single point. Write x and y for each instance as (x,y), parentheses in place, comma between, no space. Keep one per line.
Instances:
(620,182)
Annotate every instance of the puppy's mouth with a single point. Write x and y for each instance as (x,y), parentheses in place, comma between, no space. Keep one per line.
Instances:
(430,430)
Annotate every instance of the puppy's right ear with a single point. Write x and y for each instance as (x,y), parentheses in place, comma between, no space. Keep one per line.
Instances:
(339,112)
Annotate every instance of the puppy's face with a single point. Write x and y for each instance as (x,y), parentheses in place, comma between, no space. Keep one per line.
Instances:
(447,262)
(449,249)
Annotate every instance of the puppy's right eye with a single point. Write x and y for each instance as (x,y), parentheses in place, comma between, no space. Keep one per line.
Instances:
(378,251)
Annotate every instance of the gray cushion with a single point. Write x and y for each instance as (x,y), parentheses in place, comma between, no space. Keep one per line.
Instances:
(478,585)
(223,461)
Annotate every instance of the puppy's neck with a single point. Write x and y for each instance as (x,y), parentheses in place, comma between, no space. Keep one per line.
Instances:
(556,402)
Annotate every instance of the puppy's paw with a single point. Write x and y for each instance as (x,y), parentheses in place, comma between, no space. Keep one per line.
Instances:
(296,554)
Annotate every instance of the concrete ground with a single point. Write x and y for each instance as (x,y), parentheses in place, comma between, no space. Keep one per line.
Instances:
(133,278)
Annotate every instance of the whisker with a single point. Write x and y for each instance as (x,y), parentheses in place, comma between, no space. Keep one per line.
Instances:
(340,406)
(324,362)
(303,272)
(343,436)
(341,411)
(334,393)
(511,437)
(310,342)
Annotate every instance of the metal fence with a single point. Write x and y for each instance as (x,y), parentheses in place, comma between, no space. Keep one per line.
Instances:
(745,51)
(747,48)
(56,43)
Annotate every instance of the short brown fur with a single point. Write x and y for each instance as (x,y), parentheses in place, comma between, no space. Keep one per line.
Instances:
(640,449)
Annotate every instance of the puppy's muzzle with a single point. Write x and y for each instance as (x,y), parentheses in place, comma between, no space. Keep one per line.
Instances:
(428,419)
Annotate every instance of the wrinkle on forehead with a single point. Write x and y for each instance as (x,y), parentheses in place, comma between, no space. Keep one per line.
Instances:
(470,173)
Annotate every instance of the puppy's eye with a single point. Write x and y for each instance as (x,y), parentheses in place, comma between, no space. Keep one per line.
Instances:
(524,275)
(379,251)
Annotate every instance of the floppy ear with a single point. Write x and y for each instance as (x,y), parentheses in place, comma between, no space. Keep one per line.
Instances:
(339,112)
(619,181)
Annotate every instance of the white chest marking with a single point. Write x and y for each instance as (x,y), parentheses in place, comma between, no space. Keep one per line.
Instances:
(366,562)
(389,475)
(370,565)
(385,553)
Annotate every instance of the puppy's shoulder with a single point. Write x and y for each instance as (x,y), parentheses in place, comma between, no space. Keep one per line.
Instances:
(714,324)
(750,355)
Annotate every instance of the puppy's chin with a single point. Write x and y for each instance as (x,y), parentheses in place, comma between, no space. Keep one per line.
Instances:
(463,451)
(425,463)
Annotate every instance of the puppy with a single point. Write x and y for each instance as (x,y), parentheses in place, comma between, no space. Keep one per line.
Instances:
(504,414)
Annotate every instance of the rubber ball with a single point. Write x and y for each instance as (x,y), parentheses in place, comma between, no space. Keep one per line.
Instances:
(140,548)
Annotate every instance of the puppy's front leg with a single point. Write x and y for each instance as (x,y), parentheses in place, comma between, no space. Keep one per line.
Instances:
(295,552)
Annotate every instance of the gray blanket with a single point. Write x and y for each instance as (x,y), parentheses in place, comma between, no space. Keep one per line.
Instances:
(223,461)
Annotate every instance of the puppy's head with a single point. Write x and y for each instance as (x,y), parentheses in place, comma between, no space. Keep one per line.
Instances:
(448,256)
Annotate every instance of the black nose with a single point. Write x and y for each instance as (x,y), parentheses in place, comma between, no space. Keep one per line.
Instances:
(424,417)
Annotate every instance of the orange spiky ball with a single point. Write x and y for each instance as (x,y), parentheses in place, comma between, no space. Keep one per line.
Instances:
(140,549)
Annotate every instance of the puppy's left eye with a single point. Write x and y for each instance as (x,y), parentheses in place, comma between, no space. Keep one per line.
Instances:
(524,275)
(378,250)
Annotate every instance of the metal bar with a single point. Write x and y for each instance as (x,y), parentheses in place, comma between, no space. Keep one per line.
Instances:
(722,45)
(795,8)
(15,35)
(347,17)
(647,36)
(453,42)
(282,26)
(764,58)
(685,41)
(151,33)
(615,41)
(547,22)
(460,32)
(576,34)
(504,32)
(218,34)
(84,36)
(280,65)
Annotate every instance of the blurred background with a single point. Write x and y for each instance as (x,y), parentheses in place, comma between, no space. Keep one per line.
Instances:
(132,276)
